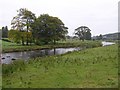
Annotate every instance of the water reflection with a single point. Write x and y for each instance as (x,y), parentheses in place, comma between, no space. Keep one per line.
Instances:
(107,43)
(7,57)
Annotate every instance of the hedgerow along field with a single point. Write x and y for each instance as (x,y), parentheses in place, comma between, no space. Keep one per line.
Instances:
(92,68)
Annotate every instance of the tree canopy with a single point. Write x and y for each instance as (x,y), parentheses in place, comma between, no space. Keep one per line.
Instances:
(5,32)
(48,29)
(22,20)
(83,33)
(22,23)
(42,30)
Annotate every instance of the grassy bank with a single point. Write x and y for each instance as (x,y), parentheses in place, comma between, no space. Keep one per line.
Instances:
(13,47)
(95,67)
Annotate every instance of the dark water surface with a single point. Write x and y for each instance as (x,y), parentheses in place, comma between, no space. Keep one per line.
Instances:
(9,57)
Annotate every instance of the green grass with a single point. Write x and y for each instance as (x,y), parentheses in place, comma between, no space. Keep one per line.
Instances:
(90,68)
(13,47)
(10,47)
(0,76)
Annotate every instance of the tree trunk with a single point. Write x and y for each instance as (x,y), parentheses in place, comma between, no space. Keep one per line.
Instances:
(54,51)
(54,42)
(27,33)
(23,41)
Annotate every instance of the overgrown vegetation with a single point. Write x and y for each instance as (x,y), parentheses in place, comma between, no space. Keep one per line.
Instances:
(15,66)
(95,67)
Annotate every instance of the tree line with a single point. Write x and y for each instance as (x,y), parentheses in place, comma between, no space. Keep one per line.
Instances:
(5,32)
(27,28)
(44,29)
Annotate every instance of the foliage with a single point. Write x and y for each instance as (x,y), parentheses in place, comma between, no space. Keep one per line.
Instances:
(45,29)
(14,35)
(48,29)
(100,37)
(83,33)
(22,22)
(5,32)
(108,37)
(112,36)
(19,36)
(23,19)
(88,35)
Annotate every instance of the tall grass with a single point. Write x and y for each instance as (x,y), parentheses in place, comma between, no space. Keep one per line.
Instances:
(18,65)
(96,67)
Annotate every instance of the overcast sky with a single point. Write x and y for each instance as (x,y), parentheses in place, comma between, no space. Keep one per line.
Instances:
(101,16)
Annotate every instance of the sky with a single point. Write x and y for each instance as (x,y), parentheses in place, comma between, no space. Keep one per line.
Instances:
(101,16)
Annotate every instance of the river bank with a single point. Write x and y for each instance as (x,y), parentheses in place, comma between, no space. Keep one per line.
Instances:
(94,67)
(12,47)
(61,48)
(15,52)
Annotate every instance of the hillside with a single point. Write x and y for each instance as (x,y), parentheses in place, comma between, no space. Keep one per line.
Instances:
(110,36)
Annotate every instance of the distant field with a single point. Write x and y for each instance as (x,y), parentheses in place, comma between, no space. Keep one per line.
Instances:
(90,68)
(10,47)
(8,44)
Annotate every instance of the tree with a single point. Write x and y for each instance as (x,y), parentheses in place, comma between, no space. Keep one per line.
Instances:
(5,32)
(14,36)
(88,35)
(100,37)
(48,29)
(74,37)
(19,36)
(23,21)
(68,37)
(83,33)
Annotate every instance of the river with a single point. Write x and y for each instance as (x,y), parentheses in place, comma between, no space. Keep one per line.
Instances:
(10,57)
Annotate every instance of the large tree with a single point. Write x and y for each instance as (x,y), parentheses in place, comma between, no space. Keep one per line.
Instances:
(48,29)
(83,33)
(22,22)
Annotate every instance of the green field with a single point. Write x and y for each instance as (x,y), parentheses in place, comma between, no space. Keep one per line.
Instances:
(92,68)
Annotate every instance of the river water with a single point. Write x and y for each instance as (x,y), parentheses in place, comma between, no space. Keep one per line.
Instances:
(107,43)
(10,57)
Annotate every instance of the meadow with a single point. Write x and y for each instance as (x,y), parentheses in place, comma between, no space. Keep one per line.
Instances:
(90,68)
